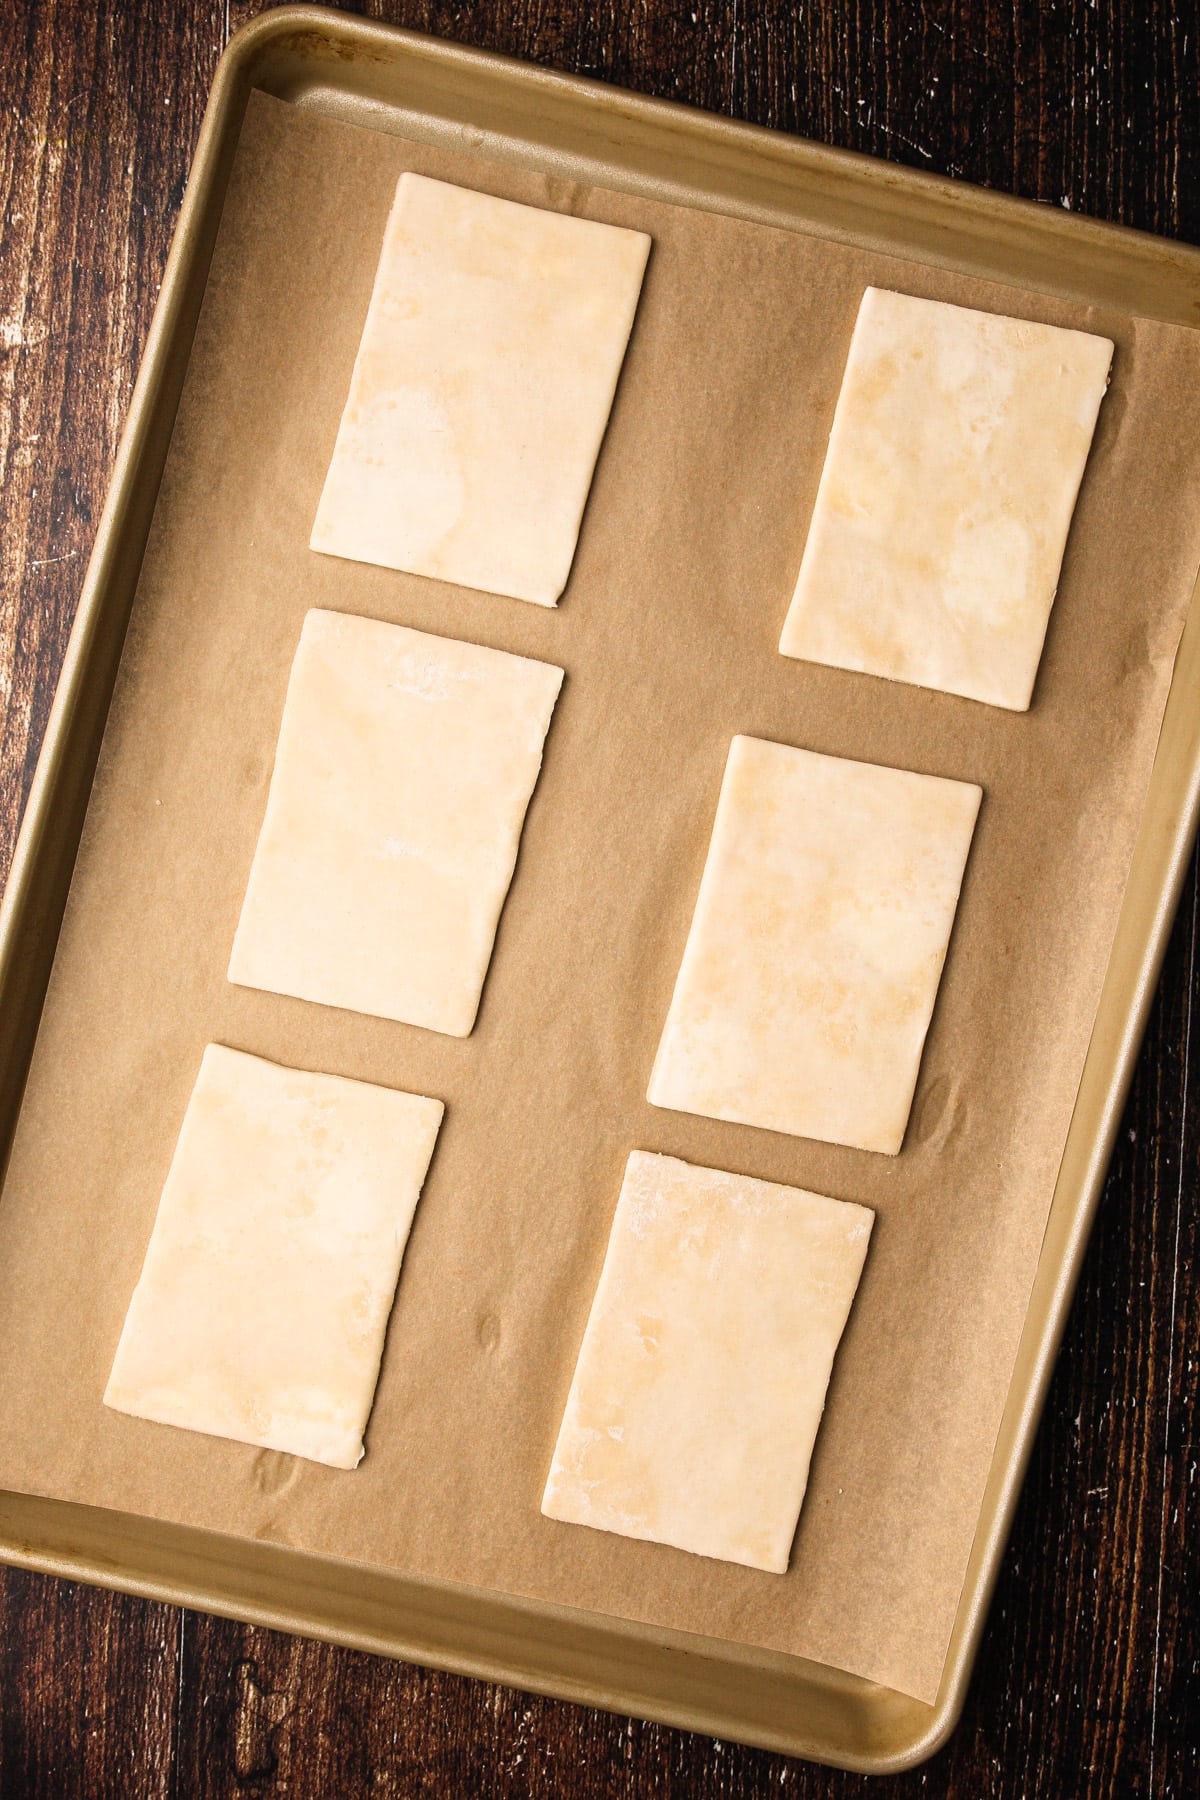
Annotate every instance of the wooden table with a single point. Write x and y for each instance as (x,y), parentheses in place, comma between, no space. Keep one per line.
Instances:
(1089,1667)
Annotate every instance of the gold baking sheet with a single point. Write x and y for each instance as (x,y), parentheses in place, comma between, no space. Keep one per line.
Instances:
(668,634)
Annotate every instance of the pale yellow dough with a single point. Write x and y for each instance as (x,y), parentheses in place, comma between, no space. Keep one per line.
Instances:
(482,388)
(702,1378)
(811,968)
(957,450)
(404,767)
(264,1298)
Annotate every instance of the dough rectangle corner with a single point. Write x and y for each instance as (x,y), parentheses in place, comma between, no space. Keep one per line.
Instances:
(264,1297)
(481,391)
(957,451)
(702,1378)
(404,767)
(810,972)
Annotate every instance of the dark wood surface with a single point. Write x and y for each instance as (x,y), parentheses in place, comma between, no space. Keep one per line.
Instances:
(1087,1683)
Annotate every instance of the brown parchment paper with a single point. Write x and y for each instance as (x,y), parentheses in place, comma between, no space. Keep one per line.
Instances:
(668,633)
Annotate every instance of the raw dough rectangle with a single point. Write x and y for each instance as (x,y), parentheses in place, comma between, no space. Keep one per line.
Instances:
(404,767)
(263,1301)
(481,391)
(811,968)
(702,1378)
(957,451)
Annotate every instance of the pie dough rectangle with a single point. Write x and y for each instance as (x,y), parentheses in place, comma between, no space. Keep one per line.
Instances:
(954,463)
(706,1360)
(403,771)
(481,391)
(811,968)
(264,1298)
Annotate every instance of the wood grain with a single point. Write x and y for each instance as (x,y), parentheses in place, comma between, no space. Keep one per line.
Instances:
(1088,1676)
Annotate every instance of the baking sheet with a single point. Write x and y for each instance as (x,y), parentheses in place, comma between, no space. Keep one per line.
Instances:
(668,633)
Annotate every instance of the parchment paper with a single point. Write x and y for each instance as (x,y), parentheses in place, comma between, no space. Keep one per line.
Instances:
(668,633)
